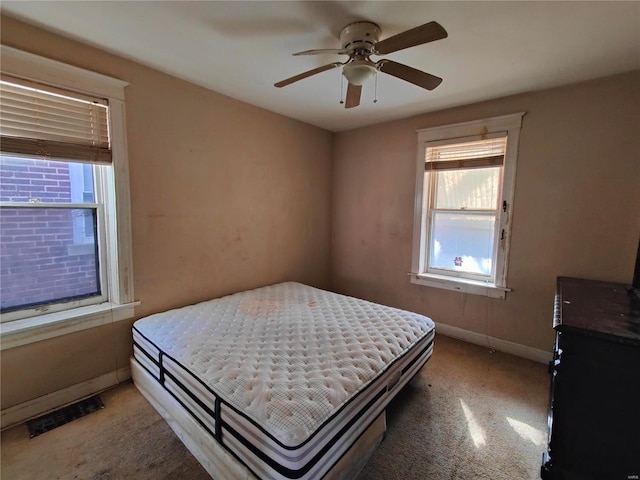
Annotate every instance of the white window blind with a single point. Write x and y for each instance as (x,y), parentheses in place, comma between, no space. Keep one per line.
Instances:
(42,121)
(475,154)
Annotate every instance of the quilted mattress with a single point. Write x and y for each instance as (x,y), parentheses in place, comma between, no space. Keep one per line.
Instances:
(285,377)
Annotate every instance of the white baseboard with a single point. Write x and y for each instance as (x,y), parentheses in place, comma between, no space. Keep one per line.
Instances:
(39,406)
(505,346)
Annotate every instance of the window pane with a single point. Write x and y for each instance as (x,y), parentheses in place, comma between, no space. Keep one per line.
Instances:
(35,180)
(40,261)
(462,242)
(472,189)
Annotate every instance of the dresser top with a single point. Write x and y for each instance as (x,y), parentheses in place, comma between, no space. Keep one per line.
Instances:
(597,308)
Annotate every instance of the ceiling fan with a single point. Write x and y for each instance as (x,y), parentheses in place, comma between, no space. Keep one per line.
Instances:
(360,40)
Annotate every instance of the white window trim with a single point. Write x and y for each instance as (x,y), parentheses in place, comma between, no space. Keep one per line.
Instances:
(120,281)
(507,123)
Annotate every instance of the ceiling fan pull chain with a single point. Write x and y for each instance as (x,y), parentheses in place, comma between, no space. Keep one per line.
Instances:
(341,89)
(375,89)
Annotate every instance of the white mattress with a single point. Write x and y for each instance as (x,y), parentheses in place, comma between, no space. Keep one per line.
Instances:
(285,377)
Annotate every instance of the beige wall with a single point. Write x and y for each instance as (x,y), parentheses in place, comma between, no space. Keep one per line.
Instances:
(576,207)
(225,196)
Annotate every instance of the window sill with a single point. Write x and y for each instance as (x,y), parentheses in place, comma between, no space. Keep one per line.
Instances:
(34,329)
(461,285)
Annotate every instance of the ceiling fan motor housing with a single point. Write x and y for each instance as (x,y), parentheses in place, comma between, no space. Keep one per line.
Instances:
(360,35)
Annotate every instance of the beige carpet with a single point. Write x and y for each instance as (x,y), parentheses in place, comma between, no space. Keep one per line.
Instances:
(469,414)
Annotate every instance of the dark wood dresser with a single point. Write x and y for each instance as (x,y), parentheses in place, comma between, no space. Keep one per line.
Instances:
(594,408)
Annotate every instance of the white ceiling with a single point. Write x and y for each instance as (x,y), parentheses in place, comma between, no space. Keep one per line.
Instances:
(242,48)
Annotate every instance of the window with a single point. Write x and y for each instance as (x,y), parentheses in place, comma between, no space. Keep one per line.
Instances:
(65,252)
(464,193)
(49,248)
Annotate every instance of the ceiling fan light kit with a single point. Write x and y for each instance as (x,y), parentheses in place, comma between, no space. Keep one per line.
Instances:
(360,40)
(358,72)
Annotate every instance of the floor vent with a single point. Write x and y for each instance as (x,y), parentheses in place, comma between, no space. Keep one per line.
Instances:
(54,419)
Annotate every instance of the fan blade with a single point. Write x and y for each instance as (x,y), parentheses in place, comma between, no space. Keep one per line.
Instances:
(295,78)
(324,50)
(353,96)
(429,32)
(409,74)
